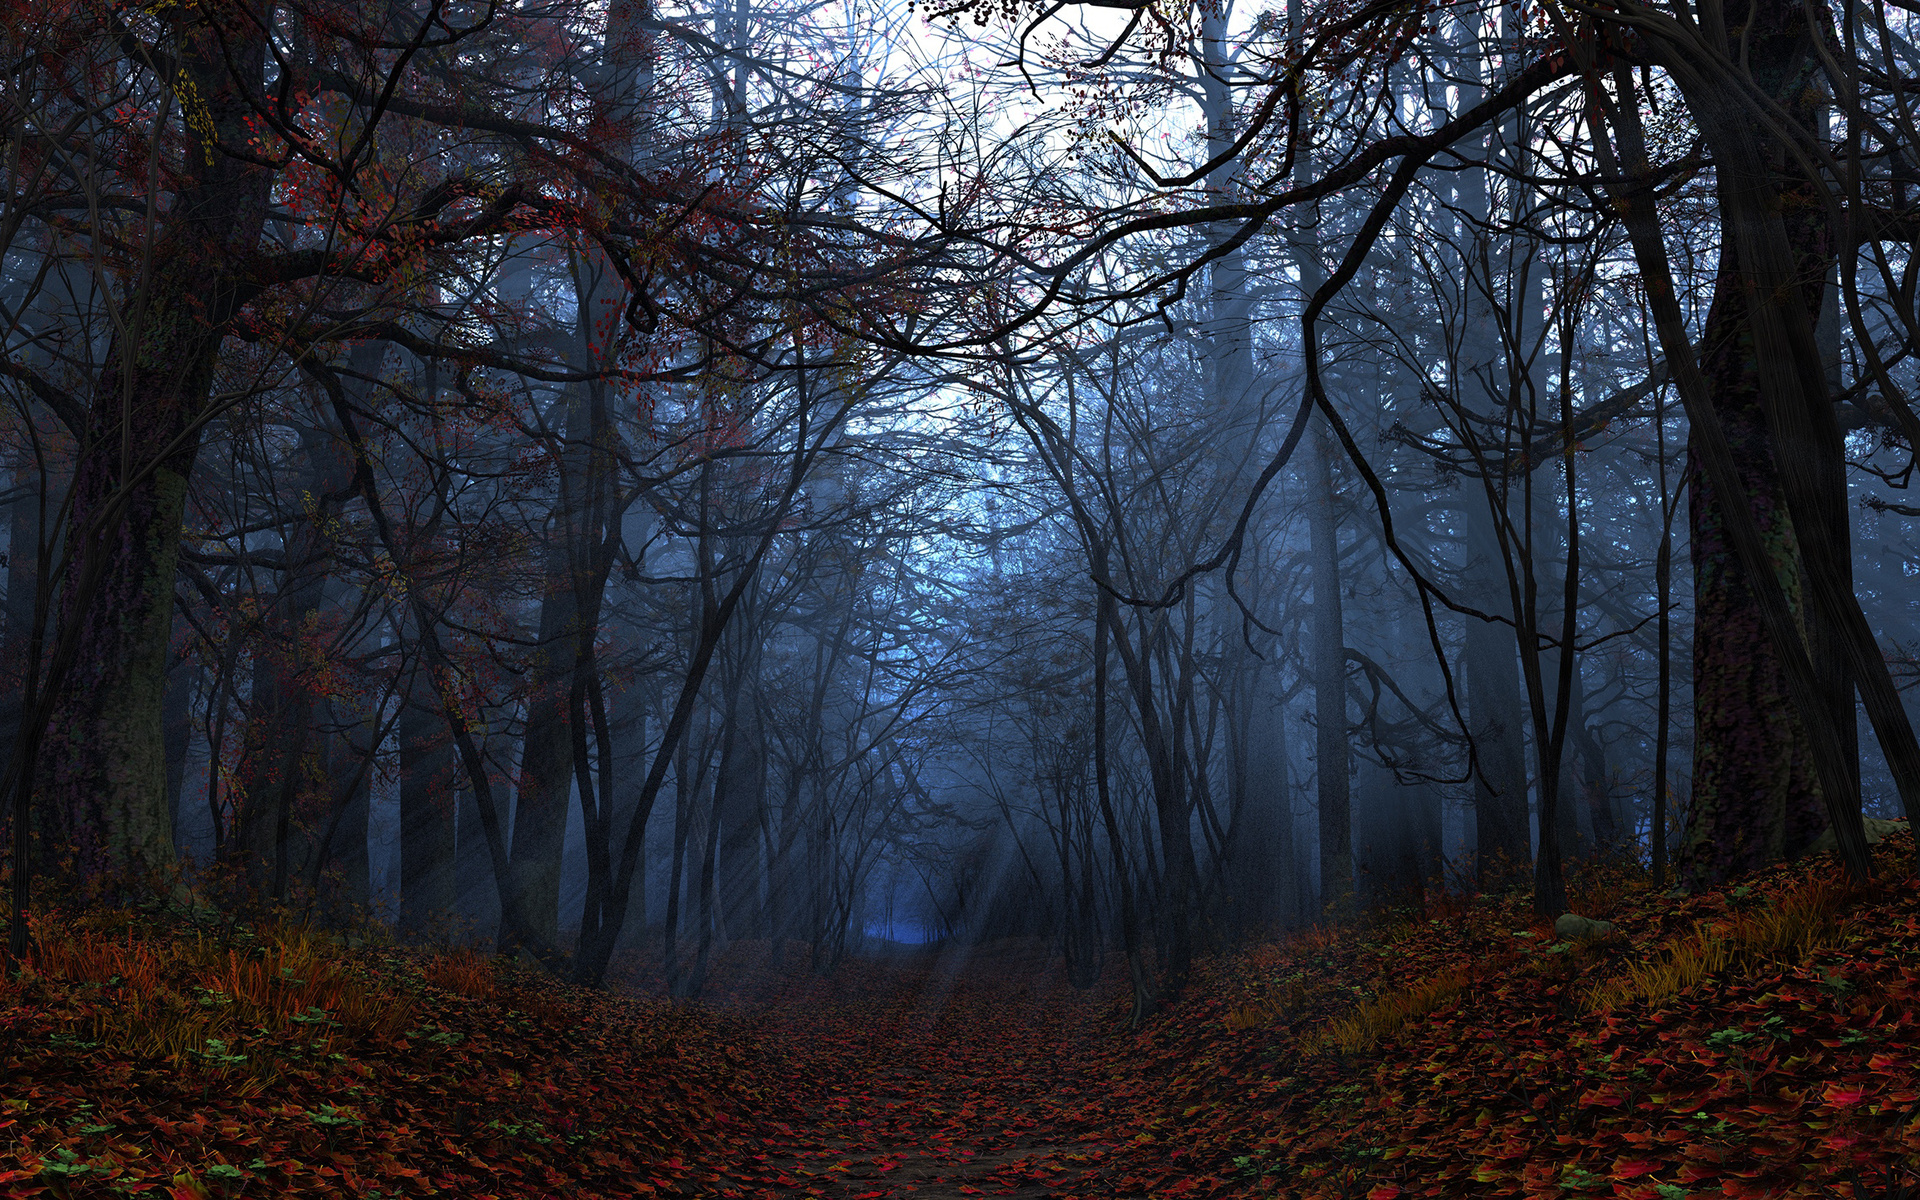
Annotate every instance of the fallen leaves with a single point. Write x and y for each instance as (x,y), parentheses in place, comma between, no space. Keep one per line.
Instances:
(1783,1073)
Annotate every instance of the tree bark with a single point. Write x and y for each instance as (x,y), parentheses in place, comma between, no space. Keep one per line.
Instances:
(1503,843)
(1757,797)
(1331,752)
(1721,465)
(102,766)
(428,800)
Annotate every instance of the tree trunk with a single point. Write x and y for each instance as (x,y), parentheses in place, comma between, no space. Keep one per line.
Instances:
(286,798)
(429,794)
(183,679)
(1751,206)
(741,871)
(1486,383)
(1331,752)
(1756,797)
(342,871)
(23,581)
(102,765)
(545,781)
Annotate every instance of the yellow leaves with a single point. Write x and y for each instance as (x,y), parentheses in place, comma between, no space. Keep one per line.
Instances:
(198,116)
(184,1182)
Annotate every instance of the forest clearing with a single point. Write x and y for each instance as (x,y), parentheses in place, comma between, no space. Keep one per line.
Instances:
(1758,1041)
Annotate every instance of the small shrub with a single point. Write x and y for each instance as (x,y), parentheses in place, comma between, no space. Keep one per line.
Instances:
(1604,885)
(1702,953)
(1799,921)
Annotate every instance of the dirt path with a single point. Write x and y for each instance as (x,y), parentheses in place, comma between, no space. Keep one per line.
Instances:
(934,1080)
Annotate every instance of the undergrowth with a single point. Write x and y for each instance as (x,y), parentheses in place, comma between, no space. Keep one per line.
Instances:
(1758,1040)
(276,1060)
(1753,1041)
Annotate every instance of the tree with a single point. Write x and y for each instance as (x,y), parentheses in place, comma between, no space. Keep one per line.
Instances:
(1755,117)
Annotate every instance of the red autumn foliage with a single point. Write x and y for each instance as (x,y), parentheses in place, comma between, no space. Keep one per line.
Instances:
(1783,1074)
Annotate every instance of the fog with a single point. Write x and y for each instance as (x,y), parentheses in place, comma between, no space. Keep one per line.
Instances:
(610,483)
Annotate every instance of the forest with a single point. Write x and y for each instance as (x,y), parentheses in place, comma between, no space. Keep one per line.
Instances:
(1236,587)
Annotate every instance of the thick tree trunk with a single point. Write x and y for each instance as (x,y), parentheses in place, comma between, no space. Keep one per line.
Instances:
(1799,419)
(183,679)
(342,876)
(627,725)
(1756,798)
(570,613)
(23,581)
(278,777)
(476,896)
(740,868)
(1263,871)
(1173,817)
(687,785)
(102,765)
(1398,841)
(102,770)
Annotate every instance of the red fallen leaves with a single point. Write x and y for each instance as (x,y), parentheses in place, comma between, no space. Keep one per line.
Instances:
(891,1081)
(1763,1084)
(476,1101)
(1843,1096)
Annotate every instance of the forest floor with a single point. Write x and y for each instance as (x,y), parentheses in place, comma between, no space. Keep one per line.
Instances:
(1758,1040)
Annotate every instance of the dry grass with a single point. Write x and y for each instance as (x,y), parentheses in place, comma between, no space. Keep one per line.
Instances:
(464,972)
(1385,1014)
(1261,1014)
(1315,938)
(1795,921)
(192,1003)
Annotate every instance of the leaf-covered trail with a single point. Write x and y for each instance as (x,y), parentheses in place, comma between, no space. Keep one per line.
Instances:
(925,1078)
(1762,1042)
(1784,1067)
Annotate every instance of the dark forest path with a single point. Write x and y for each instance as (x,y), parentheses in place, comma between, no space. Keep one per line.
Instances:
(931,1077)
